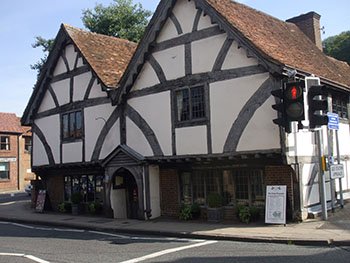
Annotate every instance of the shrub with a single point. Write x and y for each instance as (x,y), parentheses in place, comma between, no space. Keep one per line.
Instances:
(247,214)
(195,210)
(76,198)
(65,207)
(185,212)
(94,207)
(214,200)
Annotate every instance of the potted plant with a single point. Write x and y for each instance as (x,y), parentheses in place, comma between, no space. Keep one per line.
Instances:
(94,208)
(215,211)
(76,199)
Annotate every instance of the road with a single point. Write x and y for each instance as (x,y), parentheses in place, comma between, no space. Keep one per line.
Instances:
(24,243)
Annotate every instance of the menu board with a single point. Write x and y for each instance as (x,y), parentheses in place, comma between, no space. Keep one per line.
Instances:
(40,201)
(276,201)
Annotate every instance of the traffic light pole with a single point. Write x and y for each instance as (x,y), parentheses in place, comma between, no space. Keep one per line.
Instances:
(321,178)
(340,182)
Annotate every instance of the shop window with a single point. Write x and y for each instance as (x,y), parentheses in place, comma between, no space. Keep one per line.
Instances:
(5,143)
(72,126)
(186,188)
(340,105)
(250,185)
(190,105)
(4,171)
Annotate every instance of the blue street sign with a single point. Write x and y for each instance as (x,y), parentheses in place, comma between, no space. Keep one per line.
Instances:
(333,121)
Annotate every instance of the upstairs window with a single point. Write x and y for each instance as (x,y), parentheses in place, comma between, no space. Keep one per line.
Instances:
(190,105)
(72,126)
(27,144)
(5,143)
(340,105)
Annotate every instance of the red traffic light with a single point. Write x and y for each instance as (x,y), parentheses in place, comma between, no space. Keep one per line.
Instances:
(293,92)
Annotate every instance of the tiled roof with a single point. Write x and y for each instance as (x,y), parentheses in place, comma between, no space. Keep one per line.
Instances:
(282,42)
(108,56)
(9,122)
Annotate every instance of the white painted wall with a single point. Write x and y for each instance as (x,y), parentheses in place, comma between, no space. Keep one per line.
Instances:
(136,140)
(50,127)
(191,140)
(71,56)
(226,101)
(156,111)
(72,152)
(154,191)
(205,22)
(118,203)
(112,140)
(237,57)
(172,61)
(185,12)
(80,62)
(47,103)
(81,83)
(205,52)
(39,154)
(168,31)
(93,127)
(60,67)
(146,78)
(62,91)
(96,91)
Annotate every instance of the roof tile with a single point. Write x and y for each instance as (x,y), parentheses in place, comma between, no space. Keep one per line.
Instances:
(9,122)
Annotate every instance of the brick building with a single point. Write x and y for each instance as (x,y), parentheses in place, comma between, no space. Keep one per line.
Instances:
(15,149)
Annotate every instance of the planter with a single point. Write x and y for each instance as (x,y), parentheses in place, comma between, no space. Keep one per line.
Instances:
(77,209)
(215,215)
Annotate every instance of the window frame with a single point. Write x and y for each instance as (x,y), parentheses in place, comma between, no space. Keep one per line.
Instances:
(73,134)
(191,121)
(28,144)
(339,103)
(7,144)
(7,165)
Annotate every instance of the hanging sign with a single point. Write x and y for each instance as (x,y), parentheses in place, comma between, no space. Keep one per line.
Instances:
(276,201)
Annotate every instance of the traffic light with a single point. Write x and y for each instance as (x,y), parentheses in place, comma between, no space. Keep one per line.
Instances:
(317,106)
(279,107)
(294,101)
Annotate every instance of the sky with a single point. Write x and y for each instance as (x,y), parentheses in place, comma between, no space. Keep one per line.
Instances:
(21,21)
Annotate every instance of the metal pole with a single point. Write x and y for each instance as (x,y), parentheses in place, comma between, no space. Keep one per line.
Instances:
(321,177)
(330,153)
(340,182)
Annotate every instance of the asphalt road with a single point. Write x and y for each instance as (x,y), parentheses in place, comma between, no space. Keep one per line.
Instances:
(18,196)
(25,243)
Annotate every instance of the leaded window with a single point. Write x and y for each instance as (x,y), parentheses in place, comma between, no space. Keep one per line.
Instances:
(72,126)
(340,105)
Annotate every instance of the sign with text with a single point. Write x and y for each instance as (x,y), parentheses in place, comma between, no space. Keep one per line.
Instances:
(40,201)
(276,202)
(336,171)
(333,121)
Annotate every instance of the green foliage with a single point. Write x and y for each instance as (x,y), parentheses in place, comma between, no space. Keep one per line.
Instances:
(94,207)
(121,19)
(247,214)
(338,46)
(65,207)
(185,213)
(214,200)
(46,46)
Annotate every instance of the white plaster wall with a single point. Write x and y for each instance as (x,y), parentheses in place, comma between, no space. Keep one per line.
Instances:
(39,153)
(237,57)
(81,83)
(71,56)
(344,138)
(80,62)
(60,67)
(205,22)
(314,197)
(185,12)
(47,103)
(205,52)
(62,89)
(136,140)
(191,140)
(172,61)
(118,203)
(50,127)
(156,111)
(304,145)
(93,127)
(112,140)
(307,173)
(167,32)
(226,101)
(96,91)
(154,191)
(146,78)
(72,152)
(260,134)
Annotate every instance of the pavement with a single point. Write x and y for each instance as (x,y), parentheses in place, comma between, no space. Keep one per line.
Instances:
(333,232)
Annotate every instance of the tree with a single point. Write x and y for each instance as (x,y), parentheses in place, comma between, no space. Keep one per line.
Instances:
(121,19)
(338,46)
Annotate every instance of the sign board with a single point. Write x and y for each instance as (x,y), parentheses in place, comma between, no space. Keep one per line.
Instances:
(336,171)
(7,160)
(40,201)
(276,202)
(333,121)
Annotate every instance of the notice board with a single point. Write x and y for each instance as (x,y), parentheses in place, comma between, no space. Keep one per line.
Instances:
(276,202)
(40,201)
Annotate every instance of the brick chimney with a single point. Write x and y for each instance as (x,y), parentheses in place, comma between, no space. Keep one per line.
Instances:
(310,25)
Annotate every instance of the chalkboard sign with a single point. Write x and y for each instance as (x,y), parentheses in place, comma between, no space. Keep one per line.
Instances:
(40,201)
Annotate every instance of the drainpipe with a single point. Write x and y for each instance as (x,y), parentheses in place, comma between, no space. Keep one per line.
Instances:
(18,164)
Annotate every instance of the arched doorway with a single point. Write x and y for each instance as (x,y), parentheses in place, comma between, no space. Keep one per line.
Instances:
(125,195)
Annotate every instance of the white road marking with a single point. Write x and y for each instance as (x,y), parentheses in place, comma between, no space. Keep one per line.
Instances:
(8,203)
(39,260)
(168,251)
(108,234)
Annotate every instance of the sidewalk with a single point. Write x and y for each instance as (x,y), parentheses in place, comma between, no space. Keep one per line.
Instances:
(335,231)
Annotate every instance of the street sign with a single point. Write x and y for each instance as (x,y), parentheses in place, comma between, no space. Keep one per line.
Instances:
(333,121)
(337,171)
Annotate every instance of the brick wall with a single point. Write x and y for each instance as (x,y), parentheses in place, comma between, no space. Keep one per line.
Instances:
(169,193)
(12,183)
